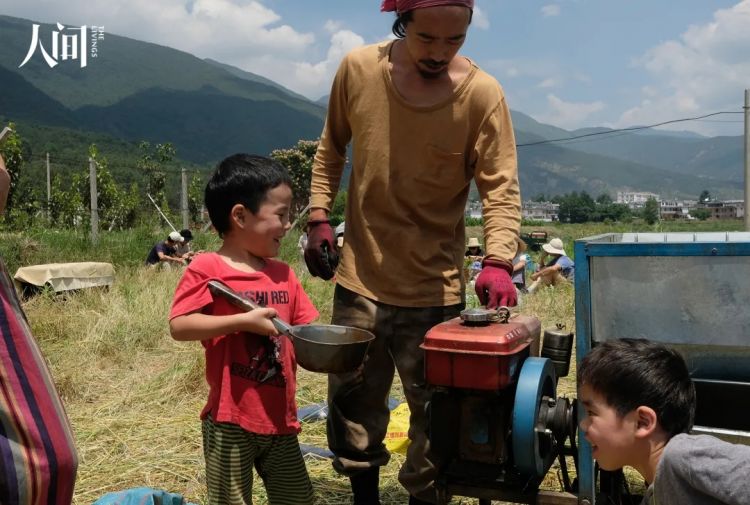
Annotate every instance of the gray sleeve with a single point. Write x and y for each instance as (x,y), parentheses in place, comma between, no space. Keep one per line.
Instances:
(700,469)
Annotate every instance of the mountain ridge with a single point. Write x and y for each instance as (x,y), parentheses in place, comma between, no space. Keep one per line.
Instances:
(139,90)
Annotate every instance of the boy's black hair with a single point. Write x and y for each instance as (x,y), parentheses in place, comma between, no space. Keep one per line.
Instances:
(241,179)
(630,373)
(403,19)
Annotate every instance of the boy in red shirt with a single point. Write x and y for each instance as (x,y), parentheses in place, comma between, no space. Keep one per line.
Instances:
(250,418)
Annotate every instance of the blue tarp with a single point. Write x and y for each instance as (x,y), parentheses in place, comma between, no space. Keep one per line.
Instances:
(141,496)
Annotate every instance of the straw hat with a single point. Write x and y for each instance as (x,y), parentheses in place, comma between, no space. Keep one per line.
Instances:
(473,242)
(555,246)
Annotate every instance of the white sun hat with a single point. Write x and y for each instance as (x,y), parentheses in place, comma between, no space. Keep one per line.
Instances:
(555,246)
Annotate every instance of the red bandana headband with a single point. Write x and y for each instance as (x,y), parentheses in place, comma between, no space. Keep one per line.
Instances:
(401,6)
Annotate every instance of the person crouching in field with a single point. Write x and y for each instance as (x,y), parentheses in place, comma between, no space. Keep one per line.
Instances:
(639,406)
(558,270)
(249,420)
(165,252)
(38,461)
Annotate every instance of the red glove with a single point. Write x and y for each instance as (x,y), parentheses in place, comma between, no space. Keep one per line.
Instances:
(321,255)
(493,286)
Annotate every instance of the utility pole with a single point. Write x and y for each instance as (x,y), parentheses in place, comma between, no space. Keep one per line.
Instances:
(49,188)
(747,159)
(184,199)
(94,203)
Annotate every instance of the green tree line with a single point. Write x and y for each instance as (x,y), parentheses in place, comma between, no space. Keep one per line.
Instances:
(580,207)
(125,204)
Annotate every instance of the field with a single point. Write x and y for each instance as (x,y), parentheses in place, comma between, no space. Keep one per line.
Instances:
(133,394)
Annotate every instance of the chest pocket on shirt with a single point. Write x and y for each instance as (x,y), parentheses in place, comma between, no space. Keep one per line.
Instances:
(444,172)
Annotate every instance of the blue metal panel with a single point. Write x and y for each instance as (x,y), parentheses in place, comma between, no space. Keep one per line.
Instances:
(660,249)
(586,477)
(711,244)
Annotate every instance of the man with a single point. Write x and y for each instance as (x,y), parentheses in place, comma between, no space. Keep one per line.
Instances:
(164,253)
(184,249)
(559,269)
(423,122)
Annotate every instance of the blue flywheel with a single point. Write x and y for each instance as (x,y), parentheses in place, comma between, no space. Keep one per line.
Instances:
(536,380)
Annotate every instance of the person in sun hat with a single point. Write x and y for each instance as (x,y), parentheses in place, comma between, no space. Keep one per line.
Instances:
(558,269)
(473,247)
(520,263)
(423,121)
(165,252)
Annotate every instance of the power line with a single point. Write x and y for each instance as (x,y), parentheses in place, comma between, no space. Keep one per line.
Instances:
(630,129)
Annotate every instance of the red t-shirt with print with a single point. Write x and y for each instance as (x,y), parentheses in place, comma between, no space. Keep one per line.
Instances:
(236,362)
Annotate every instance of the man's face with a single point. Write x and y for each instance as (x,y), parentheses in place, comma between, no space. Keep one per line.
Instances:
(434,36)
(612,437)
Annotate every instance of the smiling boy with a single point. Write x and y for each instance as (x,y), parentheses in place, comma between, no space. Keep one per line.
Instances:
(250,418)
(639,403)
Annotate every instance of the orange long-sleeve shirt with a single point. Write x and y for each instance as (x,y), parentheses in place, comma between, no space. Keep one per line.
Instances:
(411,171)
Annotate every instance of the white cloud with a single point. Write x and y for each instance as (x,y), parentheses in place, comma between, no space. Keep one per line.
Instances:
(569,115)
(702,72)
(551,10)
(550,82)
(332,26)
(480,19)
(244,33)
(320,75)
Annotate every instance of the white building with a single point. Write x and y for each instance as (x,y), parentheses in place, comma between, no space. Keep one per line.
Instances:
(635,199)
(540,211)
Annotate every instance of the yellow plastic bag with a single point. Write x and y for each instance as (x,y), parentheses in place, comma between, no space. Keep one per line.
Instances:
(397,436)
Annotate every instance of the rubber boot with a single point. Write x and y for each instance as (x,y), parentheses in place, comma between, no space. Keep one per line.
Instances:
(365,487)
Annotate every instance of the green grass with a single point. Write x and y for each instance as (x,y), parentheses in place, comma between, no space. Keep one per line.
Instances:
(133,394)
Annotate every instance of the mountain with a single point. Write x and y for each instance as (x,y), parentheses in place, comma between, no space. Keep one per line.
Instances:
(691,159)
(243,74)
(141,91)
(134,91)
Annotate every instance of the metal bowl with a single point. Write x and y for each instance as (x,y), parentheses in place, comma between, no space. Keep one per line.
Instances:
(330,348)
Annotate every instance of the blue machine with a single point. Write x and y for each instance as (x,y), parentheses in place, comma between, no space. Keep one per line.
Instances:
(687,290)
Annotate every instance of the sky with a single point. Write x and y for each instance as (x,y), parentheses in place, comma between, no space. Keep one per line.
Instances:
(569,63)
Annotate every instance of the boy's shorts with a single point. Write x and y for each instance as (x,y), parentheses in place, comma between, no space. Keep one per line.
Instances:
(231,453)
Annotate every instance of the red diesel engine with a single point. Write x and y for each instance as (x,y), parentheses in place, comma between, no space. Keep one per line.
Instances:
(493,419)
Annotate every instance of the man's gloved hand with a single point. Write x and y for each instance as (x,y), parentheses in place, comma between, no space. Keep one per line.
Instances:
(321,255)
(493,285)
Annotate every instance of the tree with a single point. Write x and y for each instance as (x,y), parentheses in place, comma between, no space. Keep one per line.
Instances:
(117,207)
(66,207)
(705,196)
(651,211)
(615,212)
(604,199)
(298,161)
(13,155)
(576,208)
(196,189)
(700,213)
(152,163)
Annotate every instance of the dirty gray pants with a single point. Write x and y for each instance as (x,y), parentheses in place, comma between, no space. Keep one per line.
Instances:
(358,410)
